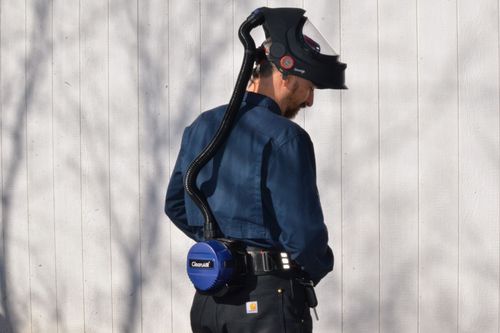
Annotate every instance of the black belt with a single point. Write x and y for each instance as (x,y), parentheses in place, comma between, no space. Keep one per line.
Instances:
(265,261)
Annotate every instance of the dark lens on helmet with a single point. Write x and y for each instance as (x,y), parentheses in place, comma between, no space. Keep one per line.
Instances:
(312,44)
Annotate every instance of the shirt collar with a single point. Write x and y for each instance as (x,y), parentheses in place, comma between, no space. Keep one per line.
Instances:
(261,100)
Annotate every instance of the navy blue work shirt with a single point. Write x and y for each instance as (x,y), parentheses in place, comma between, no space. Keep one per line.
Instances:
(261,185)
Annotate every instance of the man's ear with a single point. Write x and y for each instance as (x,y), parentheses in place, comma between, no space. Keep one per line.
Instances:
(287,80)
(290,82)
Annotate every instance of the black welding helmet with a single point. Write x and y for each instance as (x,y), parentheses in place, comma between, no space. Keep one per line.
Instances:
(298,48)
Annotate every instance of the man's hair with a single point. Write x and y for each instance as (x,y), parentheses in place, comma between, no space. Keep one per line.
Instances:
(263,68)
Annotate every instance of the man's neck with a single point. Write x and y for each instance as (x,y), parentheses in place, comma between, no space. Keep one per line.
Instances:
(258,88)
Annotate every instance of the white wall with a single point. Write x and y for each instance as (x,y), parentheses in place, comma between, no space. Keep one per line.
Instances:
(95,95)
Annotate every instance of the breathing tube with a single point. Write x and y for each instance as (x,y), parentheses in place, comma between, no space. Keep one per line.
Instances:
(210,229)
(215,265)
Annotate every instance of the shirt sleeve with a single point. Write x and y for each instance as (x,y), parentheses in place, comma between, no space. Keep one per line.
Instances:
(292,184)
(175,206)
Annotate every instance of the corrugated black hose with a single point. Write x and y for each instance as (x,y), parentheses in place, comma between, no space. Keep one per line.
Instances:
(210,229)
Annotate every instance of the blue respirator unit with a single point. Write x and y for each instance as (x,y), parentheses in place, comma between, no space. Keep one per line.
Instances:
(214,266)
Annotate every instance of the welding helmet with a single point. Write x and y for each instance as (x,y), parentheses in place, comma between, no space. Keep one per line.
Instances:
(298,48)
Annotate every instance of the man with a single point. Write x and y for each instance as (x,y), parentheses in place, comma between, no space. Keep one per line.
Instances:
(261,187)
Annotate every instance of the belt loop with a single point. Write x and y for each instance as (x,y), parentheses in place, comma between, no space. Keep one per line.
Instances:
(265,261)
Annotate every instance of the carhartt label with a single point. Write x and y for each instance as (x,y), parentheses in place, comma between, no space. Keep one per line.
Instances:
(252,307)
(201,263)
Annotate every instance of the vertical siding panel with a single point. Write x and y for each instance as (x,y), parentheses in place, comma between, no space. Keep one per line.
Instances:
(216,52)
(154,173)
(184,104)
(16,305)
(124,166)
(438,166)
(40,165)
(398,166)
(360,168)
(323,122)
(67,185)
(285,3)
(95,165)
(478,164)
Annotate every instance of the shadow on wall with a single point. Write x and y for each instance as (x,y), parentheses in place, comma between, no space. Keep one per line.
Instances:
(151,89)
(18,105)
(4,325)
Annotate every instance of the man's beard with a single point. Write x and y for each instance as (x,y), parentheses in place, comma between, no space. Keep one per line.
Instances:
(291,112)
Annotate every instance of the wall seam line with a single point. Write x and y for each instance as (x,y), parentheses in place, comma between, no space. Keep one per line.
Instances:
(26,157)
(53,171)
(3,280)
(458,156)
(418,163)
(110,203)
(3,286)
(81,171)
(379,173)
(139,183)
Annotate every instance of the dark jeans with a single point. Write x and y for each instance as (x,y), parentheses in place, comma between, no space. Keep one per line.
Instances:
(267,303)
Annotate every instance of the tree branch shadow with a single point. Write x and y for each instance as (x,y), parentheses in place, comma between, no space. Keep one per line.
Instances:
(12,168)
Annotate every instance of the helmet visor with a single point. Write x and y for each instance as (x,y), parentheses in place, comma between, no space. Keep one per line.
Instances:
(315,41)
